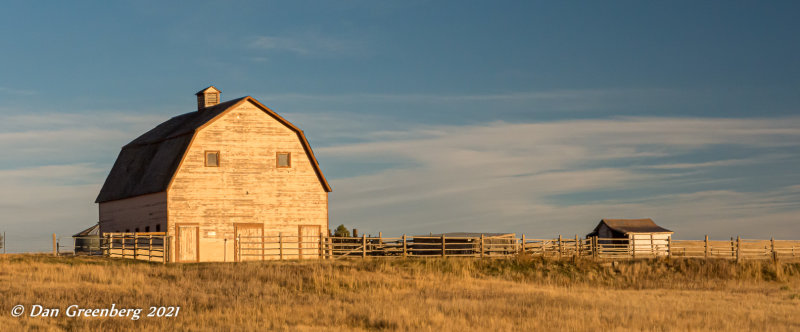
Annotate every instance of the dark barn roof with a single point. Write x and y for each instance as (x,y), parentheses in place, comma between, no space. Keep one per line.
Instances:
(626,226)
(146,164)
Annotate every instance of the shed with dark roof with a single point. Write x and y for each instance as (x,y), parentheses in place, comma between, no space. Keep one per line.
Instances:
(642,236)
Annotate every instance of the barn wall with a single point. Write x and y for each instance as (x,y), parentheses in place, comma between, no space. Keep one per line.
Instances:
(247,187)
(130,213)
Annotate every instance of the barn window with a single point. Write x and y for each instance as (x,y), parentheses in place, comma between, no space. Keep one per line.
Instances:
(284,159)
(136,230)
(212,158)
(158,228)
(147,229)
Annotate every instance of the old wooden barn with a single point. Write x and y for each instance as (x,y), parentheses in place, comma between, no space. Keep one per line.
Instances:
(227,169)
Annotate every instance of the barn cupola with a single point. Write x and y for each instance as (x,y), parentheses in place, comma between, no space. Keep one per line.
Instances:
(207,97)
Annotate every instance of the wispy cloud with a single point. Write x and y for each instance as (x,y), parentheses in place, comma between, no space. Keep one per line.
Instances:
(514,177)
(20,92)
(308,44)
(476,97)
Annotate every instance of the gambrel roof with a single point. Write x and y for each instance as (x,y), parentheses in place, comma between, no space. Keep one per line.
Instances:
(147,164)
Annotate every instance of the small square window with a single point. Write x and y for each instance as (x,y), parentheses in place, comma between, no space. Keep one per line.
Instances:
(158,228)
(284,159)
(212,158)
(147,229)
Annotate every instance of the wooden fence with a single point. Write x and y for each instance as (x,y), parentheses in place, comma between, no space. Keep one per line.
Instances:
(155,247)
(152,247)
(294,247)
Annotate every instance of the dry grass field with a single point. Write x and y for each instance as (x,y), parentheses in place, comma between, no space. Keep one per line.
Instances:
(523,293)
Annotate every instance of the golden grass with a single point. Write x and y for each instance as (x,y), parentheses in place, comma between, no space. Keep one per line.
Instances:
(416,294)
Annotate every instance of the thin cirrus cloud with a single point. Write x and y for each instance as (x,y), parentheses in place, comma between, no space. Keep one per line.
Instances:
(521,177)
(307,45)
(19,92)
(540,178)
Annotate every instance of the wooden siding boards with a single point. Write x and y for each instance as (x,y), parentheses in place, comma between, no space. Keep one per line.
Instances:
(135,212)
(148,163)
(161,176)
(247,187)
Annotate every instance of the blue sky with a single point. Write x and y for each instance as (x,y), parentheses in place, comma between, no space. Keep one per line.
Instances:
(534,117)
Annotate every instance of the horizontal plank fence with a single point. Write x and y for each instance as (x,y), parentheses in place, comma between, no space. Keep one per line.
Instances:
(155,247)
(151,247)
(307,247)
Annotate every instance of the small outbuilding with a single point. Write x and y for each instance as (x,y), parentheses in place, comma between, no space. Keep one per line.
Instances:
(87,242)
(642,236)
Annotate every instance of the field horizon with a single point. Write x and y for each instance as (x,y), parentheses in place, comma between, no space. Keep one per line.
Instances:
(519,293)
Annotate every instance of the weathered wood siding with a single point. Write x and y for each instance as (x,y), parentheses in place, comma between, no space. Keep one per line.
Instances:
(135,212)
(247,187)
(650,243)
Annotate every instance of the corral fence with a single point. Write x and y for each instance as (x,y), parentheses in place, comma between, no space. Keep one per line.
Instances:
(303,247)
(151,247)
(155,247)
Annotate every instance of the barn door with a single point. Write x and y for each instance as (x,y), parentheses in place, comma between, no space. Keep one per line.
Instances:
(187,243)
(308,239)
(250,244)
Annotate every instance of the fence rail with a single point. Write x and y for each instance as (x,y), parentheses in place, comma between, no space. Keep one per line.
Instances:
(155,247)
(152,247)
(294,247)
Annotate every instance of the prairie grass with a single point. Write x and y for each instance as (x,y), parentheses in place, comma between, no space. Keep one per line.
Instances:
(521,293)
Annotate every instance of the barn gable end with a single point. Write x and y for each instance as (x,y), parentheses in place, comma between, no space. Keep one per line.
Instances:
(211,176)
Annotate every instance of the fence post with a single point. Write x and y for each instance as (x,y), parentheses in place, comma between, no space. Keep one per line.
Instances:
(238,247)
(738,248)
(772,247)
(149,247)
(705,250)
(733,248)
(280,244)
(482,249)
(321,244)
(444,252)
(55,246)
(559,247)
(363,245)
(263,239)
(110,244)
(166,249)
(405,252)
(577,247)
(669,246)
(135,245)
(632,244)
(522,250)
